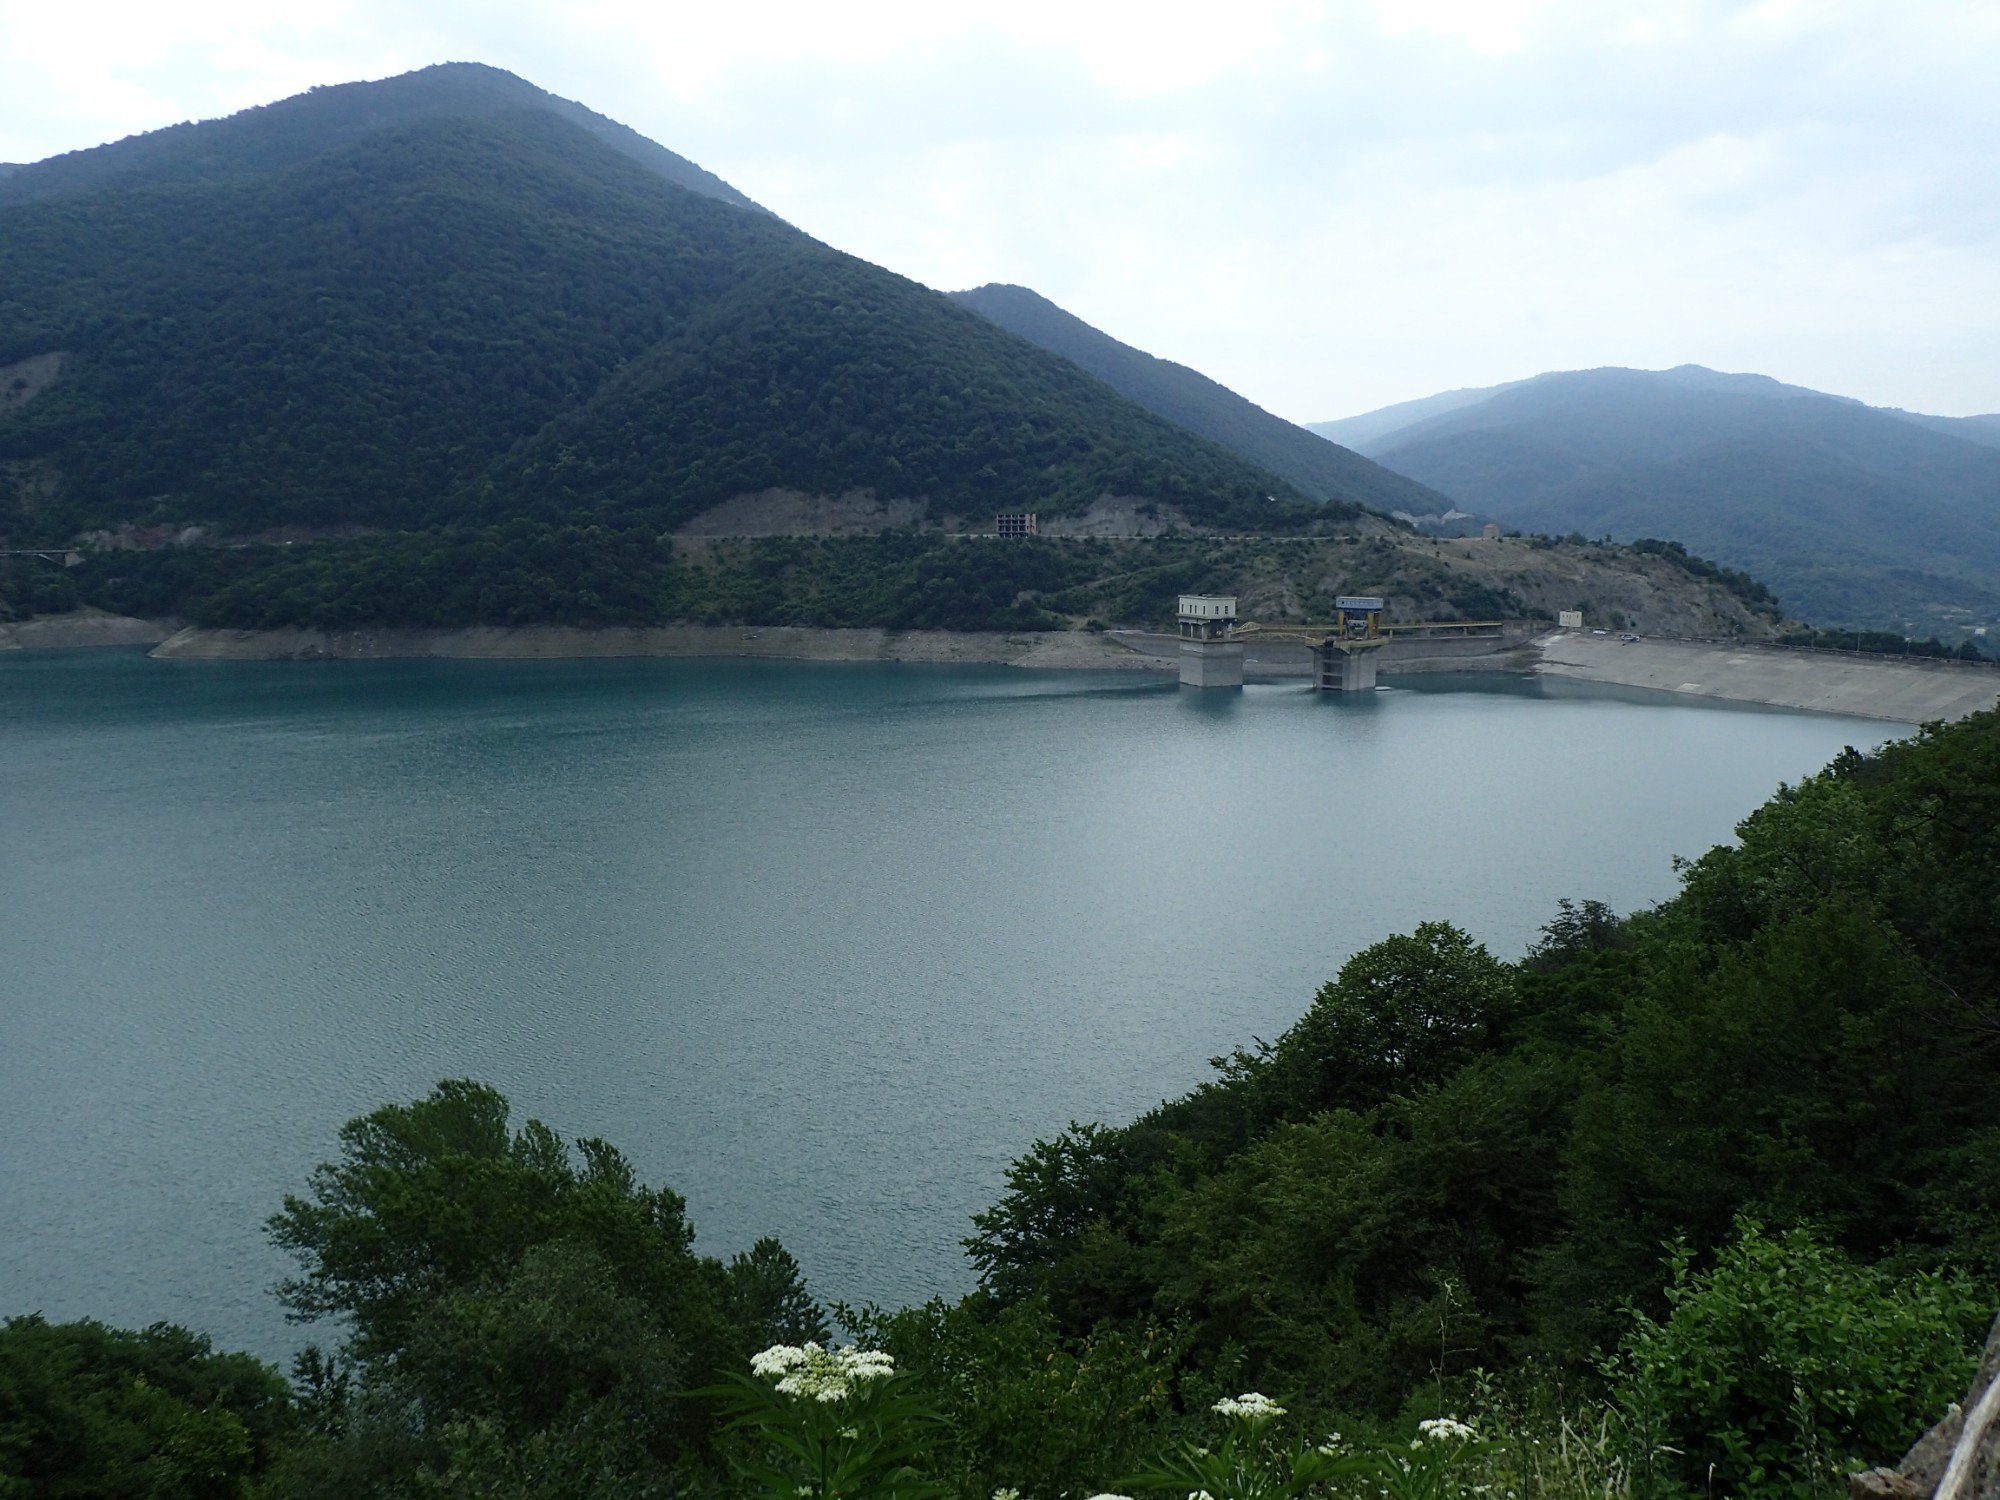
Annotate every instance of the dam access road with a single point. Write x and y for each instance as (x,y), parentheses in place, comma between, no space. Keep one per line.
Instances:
(1904,689)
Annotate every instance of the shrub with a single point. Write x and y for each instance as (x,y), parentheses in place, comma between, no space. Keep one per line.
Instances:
(1787,1364)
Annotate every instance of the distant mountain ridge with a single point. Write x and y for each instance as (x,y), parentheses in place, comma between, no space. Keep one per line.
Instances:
(1855,515)
(271,137)
(1189,398)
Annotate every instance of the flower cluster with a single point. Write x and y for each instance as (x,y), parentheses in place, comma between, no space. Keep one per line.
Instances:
(1250,1404)
(821,1374)
(1445,1430)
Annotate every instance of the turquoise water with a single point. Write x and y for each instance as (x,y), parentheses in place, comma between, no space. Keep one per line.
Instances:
(820,946)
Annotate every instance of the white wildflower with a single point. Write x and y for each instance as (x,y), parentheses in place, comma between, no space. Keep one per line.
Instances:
(779,1358)
(1200,1495)
(821,1374)
(1006,1494)
(1110,1496)
(1249,1404)
(1445,1430)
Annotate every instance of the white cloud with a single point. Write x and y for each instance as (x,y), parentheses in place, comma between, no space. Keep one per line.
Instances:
(1328,206)
(1489,25)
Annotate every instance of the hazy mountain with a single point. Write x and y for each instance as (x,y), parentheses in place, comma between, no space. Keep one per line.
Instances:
(1369,427)
(274,136)
(373,307)
(1185,396)
(1984,430)
(1854,515)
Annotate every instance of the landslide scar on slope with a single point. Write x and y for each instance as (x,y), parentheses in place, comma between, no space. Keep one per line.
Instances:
(26,379)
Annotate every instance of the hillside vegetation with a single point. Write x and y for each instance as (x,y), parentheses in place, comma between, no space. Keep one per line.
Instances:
(1701,1200)
(1854,516)
(1322,470)
(526,573)
(274,136)
(386,307)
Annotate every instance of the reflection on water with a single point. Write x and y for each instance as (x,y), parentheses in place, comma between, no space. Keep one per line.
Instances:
(821,946)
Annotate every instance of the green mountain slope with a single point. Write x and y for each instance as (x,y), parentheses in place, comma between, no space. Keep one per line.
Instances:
(1855,516)
(291,131)
(1322,470)
(473,318)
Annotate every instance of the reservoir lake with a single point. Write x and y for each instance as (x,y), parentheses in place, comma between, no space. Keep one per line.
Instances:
(820,946)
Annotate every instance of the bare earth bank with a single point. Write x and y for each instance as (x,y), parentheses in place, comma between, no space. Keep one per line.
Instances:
(1904,690)
(85,627)
(1058,649)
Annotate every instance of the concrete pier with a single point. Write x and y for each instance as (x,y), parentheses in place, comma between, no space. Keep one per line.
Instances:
(1344,669)
(1211,664)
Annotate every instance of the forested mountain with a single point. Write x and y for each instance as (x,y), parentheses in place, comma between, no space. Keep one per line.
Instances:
(414,305)
(1852,514)
(1201,405)
(295,130)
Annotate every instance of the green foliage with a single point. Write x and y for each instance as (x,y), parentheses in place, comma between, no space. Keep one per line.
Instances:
(1881,643)
(95,1413)
(1452,1162)
(1786,1365)
(513,1304)
(1404,1013)
(766,1293)
(469,315)
(526,572)
(1320,469)
(1248,1465)
(1853,516)
(848,1436)
(1026,1409)
(1737,582)
(1438,1464)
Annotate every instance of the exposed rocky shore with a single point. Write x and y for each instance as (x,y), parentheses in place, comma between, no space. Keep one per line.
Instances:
(1907,691)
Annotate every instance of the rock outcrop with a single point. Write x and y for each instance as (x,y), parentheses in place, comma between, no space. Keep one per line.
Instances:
(1974,1426)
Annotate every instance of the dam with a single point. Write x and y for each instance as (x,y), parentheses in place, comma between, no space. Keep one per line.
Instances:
(1342,656)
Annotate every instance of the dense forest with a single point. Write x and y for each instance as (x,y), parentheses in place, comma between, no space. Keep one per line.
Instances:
(1322,470)
(527,573)
(471,310)
(1703,1199)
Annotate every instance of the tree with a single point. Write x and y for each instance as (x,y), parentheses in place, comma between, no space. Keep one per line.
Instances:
(505,1289)
(88,1411)
(1402,1013)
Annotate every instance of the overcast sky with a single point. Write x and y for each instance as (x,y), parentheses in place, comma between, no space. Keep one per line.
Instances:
(1328,206)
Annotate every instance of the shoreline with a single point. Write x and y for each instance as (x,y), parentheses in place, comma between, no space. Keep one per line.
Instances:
(1055,650)
(1892,689)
